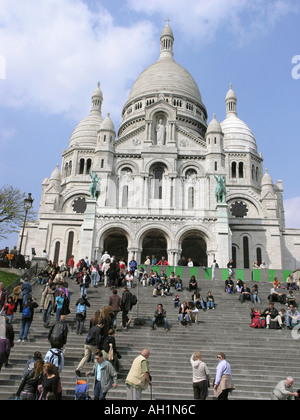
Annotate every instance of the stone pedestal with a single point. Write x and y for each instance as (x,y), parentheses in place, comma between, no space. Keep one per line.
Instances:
(223,235)
(42,262)
(87,231)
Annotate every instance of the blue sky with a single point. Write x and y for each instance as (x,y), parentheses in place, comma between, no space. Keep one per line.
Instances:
(53,53)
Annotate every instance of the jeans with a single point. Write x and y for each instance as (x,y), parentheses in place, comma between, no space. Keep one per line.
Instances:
(255,298)
(289,321)
(94,278)
(47,315)
(181,316)
(10,318)
(164,320)
(83,291)
(210,304)
(115,319)
(79,326)
(98,394)
(58,312)
(25,325)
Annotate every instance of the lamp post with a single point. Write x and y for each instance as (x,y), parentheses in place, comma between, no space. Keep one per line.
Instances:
(27,206)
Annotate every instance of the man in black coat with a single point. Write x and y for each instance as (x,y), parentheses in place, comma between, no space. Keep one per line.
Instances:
(58,334)
(126,307)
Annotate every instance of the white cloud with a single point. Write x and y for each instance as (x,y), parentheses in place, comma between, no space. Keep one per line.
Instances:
(200,20)
(292,212)
(57,50)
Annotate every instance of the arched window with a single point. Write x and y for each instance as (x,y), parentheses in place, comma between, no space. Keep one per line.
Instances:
(158,176)
(234,255)
(56,252)
(246,252)
(258,256)
(125,196)
(241,170)
(233,170)
(70,246)
(81,166)
(88,165)
(191,197)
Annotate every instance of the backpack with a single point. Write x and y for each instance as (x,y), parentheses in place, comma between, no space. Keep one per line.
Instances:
(81,308)
(55,359)
(26,312)
(134,300)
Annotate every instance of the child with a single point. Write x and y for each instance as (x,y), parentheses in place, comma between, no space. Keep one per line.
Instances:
(210,301)
(176,301)
(9,309)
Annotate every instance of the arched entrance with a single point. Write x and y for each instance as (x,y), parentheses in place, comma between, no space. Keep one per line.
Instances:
(193,246)
(154,243)
(116,243)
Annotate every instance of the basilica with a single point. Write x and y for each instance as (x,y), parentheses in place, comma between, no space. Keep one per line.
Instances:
(153,186)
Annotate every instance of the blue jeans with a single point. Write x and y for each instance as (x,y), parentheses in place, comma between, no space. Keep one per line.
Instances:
(98,394)
(115,318)
(210,304)
(289,321)
(58,312)
(47,315)
(255,298)
(165,321)
(181,316)
(94,278)
(25,325)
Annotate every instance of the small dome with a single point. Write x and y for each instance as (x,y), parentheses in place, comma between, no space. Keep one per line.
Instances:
(167,31)
(55,176)
(237,134)
(86,131)
(266,179)
(107,124)
(214,126)
(231,94)
(97,92)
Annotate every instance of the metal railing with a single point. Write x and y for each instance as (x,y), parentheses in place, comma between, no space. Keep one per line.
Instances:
(28,274)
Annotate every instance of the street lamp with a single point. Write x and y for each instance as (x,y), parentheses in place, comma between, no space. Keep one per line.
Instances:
(27,206)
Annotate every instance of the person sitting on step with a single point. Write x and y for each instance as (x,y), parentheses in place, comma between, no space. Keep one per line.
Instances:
(160,317)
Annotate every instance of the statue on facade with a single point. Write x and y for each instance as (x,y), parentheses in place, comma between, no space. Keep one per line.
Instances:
(94,186)
(160,133)
(220,189)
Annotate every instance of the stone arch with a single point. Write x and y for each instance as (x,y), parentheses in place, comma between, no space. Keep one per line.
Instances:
(194,243)
(116,240)
(155,240)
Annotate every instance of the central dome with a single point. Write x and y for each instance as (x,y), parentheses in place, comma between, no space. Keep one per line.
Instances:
(165,76)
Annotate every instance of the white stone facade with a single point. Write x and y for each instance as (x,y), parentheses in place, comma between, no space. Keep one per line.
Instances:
(157,188)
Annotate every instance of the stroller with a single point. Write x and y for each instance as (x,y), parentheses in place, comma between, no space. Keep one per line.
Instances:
(82,390)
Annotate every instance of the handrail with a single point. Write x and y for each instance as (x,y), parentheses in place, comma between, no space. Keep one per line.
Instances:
(30,273)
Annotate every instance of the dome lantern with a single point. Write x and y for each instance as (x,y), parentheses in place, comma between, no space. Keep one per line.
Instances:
(166,41)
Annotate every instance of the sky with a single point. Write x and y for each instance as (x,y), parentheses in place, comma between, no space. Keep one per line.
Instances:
(54,52)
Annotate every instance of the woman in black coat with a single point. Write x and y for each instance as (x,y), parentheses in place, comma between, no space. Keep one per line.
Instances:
(30,382)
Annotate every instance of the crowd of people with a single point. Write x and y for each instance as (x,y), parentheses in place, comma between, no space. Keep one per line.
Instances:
(41,378)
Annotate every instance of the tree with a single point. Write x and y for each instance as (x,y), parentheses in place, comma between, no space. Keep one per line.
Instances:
(12,211)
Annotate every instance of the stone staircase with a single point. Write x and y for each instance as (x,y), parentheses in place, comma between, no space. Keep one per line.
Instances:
(259,358)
